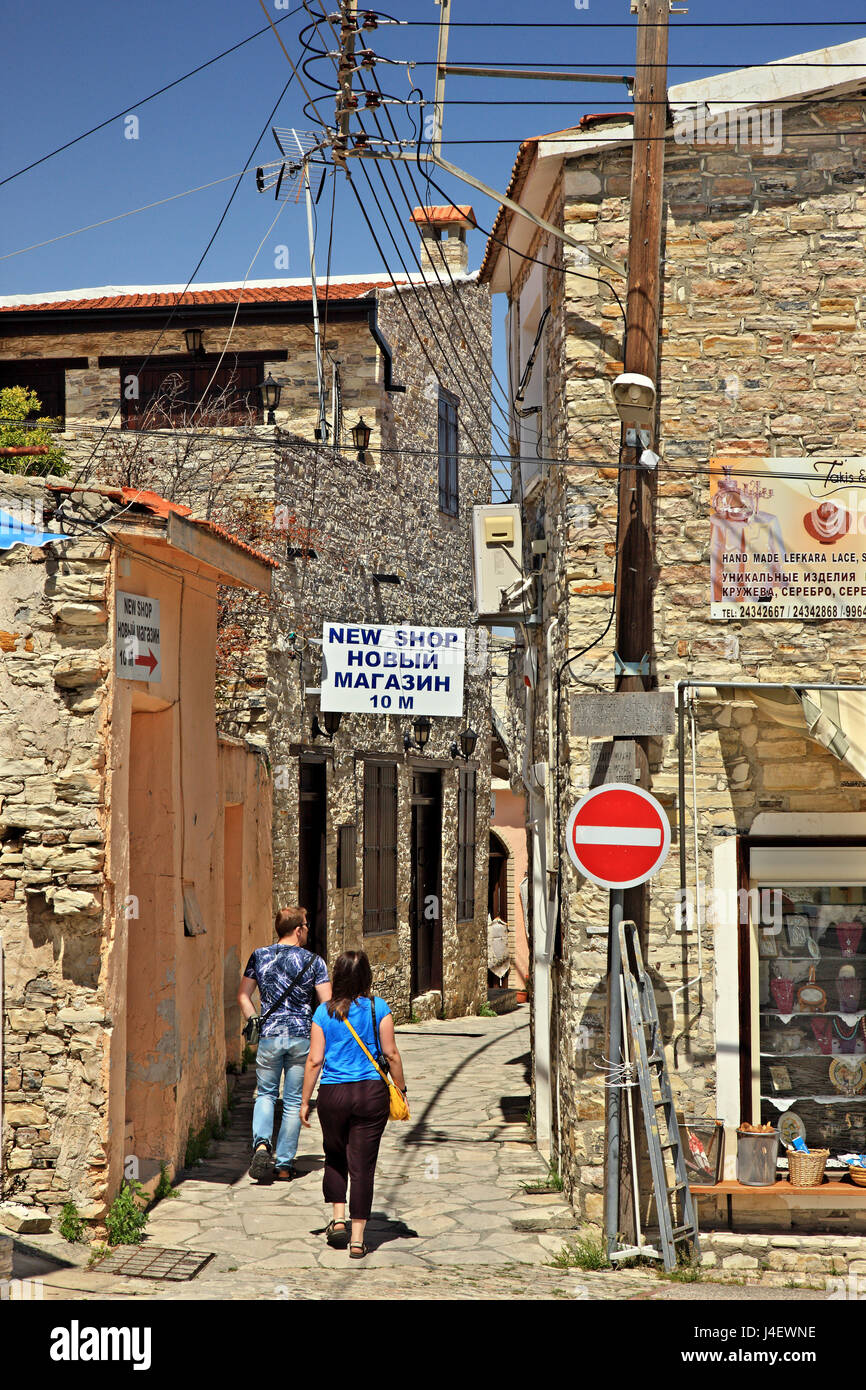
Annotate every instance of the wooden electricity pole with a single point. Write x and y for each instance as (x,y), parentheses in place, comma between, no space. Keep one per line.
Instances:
(636,506)
(634,616)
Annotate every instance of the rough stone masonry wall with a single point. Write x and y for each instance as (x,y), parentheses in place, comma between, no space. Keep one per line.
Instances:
(764,336)
(333,521)
(53,661)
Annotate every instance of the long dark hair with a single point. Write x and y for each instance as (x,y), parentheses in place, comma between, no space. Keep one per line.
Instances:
(352,977)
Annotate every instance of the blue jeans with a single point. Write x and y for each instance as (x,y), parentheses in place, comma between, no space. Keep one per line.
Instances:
(283,1053)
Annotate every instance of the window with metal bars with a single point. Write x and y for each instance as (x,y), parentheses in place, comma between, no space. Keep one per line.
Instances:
(380,848)
(46,378)
(448,453)
(466,845)
(166,394)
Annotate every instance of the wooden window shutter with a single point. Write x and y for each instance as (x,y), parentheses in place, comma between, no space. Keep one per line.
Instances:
(347,852)
(466,845)
(380,847)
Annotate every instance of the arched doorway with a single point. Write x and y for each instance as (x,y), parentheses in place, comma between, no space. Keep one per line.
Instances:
(497,908)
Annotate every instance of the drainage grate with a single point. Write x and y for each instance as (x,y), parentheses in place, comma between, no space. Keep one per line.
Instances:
(154,1262)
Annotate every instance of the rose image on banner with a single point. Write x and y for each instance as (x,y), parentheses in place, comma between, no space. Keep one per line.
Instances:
(787,538)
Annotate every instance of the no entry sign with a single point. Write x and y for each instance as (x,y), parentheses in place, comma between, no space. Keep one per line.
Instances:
(618,836)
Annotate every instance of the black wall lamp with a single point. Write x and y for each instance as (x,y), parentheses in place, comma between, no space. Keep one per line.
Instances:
(270,392)
(468,740)
(332,724)
(361,437)
(420,733)
(194,342)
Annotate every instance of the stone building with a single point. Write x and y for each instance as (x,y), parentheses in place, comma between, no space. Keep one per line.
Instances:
(135,841)
(374,833)
(758,609)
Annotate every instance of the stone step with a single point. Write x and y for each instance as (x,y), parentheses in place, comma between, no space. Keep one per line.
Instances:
(558,1217)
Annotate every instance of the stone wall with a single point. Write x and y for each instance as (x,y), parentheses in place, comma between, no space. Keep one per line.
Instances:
(333,521)
(763,333)
(52,829)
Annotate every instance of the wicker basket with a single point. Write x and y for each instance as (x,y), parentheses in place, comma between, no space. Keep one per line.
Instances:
(858,1175)
(807,1170)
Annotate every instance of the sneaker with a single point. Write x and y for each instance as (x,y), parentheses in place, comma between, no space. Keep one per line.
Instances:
(262,1165)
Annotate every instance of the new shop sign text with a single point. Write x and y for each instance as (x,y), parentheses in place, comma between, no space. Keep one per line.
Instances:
(393,670)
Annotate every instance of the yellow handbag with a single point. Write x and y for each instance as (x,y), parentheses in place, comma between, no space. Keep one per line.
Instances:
(399,1105)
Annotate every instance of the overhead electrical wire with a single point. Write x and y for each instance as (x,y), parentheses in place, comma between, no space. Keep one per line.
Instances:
(83,472)
(37,245)
(143,101)
(487,423)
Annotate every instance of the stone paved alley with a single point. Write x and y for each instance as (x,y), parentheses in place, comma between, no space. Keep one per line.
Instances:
(451,1218)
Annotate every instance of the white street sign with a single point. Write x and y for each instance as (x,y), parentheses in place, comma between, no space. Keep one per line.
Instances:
(392,670)
(137,634)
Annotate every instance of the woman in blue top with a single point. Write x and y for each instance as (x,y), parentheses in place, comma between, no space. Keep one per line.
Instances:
(354,1101)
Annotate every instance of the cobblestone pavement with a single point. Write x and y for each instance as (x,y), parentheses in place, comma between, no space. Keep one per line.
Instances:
(451,1219)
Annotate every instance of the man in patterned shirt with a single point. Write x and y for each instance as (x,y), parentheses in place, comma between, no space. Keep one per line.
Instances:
(285,1037)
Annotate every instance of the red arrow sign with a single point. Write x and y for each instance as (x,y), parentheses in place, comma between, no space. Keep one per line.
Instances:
(149,661)
(618,836)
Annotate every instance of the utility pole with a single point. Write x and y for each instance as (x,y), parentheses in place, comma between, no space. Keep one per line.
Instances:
(637,496)
(346,100)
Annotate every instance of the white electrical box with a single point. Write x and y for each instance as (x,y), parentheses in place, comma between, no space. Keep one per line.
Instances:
(497,545)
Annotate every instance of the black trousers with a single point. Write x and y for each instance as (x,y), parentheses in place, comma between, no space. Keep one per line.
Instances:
(353,1116)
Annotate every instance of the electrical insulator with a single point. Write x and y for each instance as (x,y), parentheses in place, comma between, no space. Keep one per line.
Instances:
(373,101)
(368,58)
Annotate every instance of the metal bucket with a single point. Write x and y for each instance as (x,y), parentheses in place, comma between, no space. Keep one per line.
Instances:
(756,1158)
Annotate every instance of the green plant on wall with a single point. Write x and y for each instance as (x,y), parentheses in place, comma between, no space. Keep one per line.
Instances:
(71,1224)
(126,1220)
(16,404)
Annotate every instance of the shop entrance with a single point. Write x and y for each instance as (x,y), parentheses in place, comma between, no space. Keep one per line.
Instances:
(312,853)
(426,901)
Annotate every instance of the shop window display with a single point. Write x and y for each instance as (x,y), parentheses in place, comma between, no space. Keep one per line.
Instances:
(812,1018)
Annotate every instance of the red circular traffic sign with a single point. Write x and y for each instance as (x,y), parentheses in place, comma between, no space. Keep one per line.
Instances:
(618,835)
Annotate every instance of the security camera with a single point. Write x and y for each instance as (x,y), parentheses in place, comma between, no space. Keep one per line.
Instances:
(634,397)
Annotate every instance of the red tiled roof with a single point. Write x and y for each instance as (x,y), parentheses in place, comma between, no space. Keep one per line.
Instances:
(160,506)
(440,216)
(271,294)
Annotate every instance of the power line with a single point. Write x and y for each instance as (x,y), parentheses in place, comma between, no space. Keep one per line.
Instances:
(179,304)
(482,367)
(595,139)
(623,24)
(144,100)
(119,216)
(617,67)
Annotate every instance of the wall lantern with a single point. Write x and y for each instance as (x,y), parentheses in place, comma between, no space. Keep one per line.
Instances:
(270,392)
(194,342)
(361,437)
(332,724)
(421,730)
(468,740)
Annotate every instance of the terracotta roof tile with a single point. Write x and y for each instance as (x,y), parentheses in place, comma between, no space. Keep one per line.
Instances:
(274,294)
(160,506)
(441,215)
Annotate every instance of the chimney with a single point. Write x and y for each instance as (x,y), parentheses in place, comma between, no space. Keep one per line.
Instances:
(448,226)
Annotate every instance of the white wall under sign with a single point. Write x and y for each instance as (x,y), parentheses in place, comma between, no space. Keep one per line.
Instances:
(392,670)
(137,637)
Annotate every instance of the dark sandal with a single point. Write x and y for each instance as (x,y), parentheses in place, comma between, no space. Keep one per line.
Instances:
(337,1239)
(357,1252)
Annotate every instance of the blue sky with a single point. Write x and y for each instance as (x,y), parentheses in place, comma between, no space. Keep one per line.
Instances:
(67,67)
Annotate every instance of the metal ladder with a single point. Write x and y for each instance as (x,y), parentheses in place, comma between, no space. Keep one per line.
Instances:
(674,1205)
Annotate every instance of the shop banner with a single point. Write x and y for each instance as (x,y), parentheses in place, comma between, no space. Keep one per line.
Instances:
(788,538)
(393,670)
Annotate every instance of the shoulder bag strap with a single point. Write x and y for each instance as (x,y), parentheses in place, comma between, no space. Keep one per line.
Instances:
(379,1061)
(285,994)
(364,1048)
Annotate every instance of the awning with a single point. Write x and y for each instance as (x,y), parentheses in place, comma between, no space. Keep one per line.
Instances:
(13,531)
(834,718)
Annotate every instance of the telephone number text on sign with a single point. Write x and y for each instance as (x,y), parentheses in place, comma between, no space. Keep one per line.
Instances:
(391,669)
